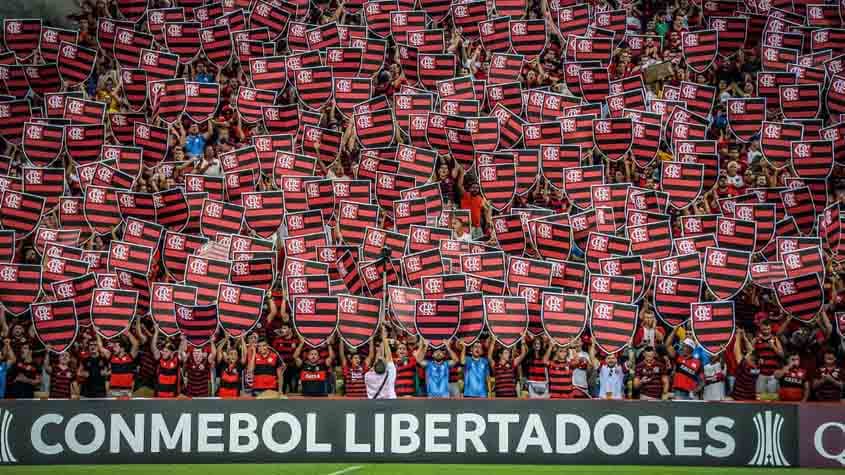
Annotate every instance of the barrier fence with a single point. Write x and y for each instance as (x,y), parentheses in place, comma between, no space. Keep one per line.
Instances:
(443,431)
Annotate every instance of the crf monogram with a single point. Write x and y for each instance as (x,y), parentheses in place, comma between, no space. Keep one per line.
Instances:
(427,308)
(496,306)
(703,313)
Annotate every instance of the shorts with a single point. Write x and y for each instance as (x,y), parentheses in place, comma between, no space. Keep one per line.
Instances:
(767,384)
(537,390)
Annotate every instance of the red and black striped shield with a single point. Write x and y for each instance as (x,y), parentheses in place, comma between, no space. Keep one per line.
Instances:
(374,129)
(613,137)
(802,297)
(134,83)
(13,115)
(437,320)
(163,300)
(264,211)
(197,323)
(313,86)
(594,83)
(745,116)
(725,271)
(153,139)
(131,257)
(42,143)
(56,324)
(353,220)
(377,275)
(376,240)
(798,203)
(672,297)
(201,100)
(526,271)
(645,142)
(172,209)
(713,324)
(812,159)
(629,266)
(75,63)
(736,234)
(510,234)
(238,308)
(569,276)
(437,286)
(600,246)
(764,217)
(776,139)
(699,48)
(684,265)
(498,184)
(612,324)
(7,246)
(183,39)
(763,274)
(472,316)
(682,181)
(252,271)
(651,240)
(432,68)
(250,103)
(157,64)
(358,318)
(48,183)
(217,44)
(64,237)
(205,274)
(563,316)
(805,260)
(422,264)
(315,318)
(553,240)
(220,217)
(21,285)
(22,36)
(800,101)
(611,288)
(112,311)
(401,304)
(506,317)
(528,37)
(20,212)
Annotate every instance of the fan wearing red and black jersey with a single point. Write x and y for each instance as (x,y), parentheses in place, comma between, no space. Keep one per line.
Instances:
(354,368)
(504,368)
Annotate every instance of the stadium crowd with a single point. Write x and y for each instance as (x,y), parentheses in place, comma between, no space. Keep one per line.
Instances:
(770,355)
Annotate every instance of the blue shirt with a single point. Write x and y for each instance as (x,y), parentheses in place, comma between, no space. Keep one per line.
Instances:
(4,369)
(205,78)
(194,145)
(476,372)
(437,378)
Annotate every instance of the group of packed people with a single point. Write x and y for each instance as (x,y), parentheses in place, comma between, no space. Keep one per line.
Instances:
(771,355)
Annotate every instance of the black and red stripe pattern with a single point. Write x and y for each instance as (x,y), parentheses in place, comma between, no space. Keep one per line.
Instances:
(764,217)
(804,260)
(22,36)
(21,212)
(506,318)
(112,311)
(553,240)
(725,271)
(21,286)
(42,143)
(197,323)
(358,318)
(812,159)
(682,181)
(699,48)
(672,297)
(83,142)
(220,217)
(775,141)
(437,320)
(75,63)
(528,37)
(238,308)
(745,117)
(800,101)
(163,300)
(563,316)
(612,324)
(801,297)
(613,137)
(713,324)
(736,234)
(132,257)
(205,274)
(315,318)
(798,203)
(611,288)
(56,324)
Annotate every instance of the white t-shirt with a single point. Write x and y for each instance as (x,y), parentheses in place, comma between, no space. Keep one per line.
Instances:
(611,381)
(373,382)
(714,375)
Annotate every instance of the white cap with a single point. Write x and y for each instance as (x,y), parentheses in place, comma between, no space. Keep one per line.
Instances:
(689,342)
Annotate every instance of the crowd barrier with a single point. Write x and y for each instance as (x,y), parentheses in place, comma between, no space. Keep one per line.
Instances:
(442,431)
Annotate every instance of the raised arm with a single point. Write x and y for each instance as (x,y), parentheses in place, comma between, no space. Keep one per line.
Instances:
(154,345)
(297,353)
(420,354)
(547,356)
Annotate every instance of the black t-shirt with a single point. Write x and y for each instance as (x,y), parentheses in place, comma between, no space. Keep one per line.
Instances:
(95,384)
(314,379)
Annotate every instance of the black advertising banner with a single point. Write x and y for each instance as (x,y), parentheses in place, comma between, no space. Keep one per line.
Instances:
(450,431)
